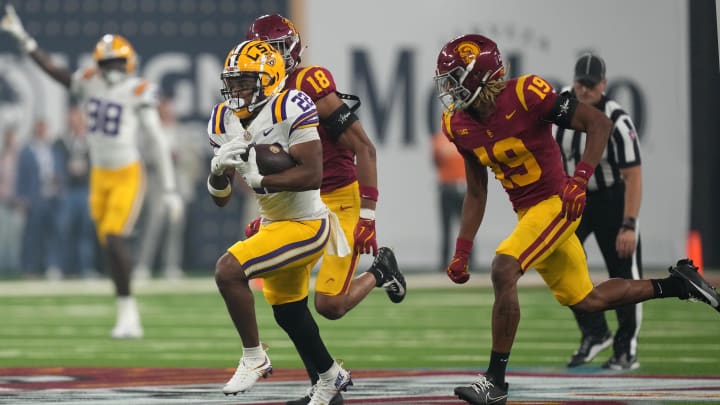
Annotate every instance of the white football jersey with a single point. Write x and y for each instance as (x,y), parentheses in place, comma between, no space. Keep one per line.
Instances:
(287,119)
(112,113)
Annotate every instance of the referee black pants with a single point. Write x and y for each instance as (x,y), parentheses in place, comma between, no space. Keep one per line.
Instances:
(603,218)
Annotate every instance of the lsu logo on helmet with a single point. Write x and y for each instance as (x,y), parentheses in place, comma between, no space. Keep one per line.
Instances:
(252,65)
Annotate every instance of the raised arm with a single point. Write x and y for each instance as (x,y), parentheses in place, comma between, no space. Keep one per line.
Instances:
(12,24)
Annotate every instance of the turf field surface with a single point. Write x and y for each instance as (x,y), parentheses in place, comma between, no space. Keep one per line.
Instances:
(439,335)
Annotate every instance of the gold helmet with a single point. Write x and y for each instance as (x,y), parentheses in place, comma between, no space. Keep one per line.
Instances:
(252,65)
(113,47)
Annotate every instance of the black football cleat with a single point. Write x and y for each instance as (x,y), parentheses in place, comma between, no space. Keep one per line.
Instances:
(483,392)
(697,287)
(590,346)
(393,280)
(622,362)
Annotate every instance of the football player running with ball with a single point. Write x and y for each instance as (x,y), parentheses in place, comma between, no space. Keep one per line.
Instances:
(505,125)
(349,186)
(297,226)
(116,104)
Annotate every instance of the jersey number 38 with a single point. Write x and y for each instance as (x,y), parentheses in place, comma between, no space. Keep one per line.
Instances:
(103,117)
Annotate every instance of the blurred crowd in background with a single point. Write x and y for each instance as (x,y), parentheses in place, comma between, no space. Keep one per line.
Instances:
(45,225)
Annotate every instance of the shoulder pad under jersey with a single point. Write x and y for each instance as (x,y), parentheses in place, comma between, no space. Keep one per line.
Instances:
(446,124)
(216,125)
(316,81)
(295,107)
(146,92)
(532,91)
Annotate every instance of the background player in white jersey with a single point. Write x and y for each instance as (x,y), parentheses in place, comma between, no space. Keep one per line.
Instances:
(116,104)
(296,226)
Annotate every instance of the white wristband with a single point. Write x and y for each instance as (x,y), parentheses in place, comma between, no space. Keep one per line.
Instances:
(367,213)
(29,44)
(219,193)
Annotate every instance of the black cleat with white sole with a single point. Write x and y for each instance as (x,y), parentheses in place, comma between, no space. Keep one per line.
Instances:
(483,392)
(392,280)
(698,288)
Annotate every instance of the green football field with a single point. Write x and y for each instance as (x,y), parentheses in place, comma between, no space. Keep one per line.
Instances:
(436,327)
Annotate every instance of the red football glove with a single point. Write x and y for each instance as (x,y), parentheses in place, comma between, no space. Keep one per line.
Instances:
(253,227)
(364,235)
(574,192)
(458,268)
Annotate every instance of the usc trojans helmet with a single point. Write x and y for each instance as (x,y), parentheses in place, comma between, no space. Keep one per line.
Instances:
(279,32)
(464,66)
(251,66)
(114,47)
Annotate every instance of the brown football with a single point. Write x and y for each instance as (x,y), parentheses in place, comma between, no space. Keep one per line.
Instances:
(271,159)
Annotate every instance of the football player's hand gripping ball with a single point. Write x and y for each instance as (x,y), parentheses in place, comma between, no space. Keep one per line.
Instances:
(253,227)
(574,193)
(228,156)
(249,170)
(364,234)
(458,268)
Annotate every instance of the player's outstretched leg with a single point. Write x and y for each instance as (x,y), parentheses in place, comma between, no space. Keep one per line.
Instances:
(698,288)
(388,274)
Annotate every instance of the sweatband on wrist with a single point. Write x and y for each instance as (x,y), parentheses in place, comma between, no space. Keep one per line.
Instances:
(584,170)
(628,223)
(218,193)
(367,213)
(464,245)
(369,193)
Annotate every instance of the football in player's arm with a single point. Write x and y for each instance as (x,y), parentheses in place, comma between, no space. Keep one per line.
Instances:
(296,227)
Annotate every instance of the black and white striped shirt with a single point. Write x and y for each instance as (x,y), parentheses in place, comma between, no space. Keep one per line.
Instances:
(623,148)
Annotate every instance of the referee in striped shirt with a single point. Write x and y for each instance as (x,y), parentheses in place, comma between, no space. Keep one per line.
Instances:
(611,214)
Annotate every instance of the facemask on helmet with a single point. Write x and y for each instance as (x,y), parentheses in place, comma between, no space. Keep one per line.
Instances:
(464,66)
(279,32)
(253,72)
(115,57)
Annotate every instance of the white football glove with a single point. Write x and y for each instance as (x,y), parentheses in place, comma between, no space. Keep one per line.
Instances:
(227,156)
(249,170)
(11,24)
(174,205)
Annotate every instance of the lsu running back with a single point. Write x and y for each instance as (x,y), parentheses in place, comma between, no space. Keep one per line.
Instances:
(271,117)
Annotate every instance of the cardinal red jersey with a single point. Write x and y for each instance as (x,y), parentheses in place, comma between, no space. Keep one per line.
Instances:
(514,141)
(338,161)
